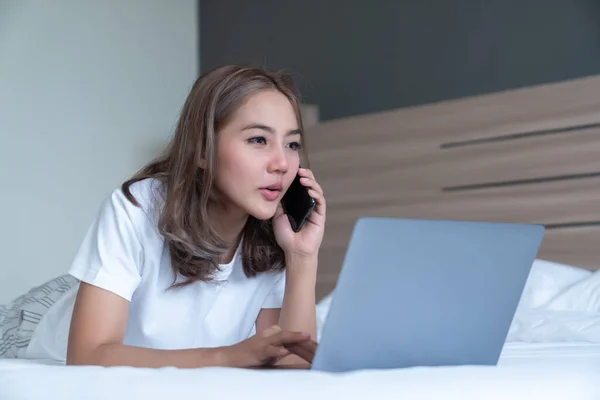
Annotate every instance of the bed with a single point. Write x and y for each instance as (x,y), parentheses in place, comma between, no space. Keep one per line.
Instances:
(527,155)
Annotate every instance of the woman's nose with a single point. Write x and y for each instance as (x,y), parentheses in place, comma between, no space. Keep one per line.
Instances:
(279,161)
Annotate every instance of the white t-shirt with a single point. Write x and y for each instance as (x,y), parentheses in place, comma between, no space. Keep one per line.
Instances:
(124,253)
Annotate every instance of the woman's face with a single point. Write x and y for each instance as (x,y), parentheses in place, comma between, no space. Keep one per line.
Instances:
(258,155)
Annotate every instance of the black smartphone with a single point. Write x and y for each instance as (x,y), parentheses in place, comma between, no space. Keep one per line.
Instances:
(297,204)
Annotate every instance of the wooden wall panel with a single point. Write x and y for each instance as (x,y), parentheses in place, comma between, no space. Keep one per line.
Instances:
(529,155)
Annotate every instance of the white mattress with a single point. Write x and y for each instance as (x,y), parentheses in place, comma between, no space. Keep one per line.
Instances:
(526,371)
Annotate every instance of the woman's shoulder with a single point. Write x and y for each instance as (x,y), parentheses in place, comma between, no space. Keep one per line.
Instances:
(138,204)
(144,196)
(148,193)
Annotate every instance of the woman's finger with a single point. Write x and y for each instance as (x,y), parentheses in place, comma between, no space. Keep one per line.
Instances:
(305,350)
(276,351)
(286,337)
(306,173)
(311,184)
(272,330)
(320,202)
(314,190)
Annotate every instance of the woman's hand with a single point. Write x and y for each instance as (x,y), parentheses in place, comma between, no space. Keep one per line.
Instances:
(308,241)
(265,348)
(305,350)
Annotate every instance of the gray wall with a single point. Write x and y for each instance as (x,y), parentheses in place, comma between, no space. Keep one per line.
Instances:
(355,56)
(89,92)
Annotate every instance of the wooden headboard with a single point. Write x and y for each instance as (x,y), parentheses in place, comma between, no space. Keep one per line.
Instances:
(529,155)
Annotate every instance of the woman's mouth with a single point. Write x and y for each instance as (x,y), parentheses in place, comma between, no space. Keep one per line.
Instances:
(271,193)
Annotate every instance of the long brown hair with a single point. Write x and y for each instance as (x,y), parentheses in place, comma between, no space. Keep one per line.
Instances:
(188,190)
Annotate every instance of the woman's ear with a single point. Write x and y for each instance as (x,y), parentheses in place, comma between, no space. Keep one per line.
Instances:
(201,161)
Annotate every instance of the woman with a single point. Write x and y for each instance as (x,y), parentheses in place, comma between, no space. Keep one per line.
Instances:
(192,262)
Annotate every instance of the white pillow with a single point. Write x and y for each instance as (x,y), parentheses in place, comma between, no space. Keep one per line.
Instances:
(583,296)
(571,315)
(548,279)
(50,338)
(551,326)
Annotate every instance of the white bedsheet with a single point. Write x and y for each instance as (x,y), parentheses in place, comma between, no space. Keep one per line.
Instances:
(526,371)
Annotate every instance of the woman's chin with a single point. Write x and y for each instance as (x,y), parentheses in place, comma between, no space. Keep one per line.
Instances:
(263,214)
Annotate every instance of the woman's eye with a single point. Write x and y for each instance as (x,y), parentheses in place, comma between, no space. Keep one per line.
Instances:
(295,146)
(257,140)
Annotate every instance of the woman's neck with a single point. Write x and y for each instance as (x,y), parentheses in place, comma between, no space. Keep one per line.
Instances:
(229,226)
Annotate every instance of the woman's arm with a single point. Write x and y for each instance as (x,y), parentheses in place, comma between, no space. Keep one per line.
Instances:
(298,310)
(98,328)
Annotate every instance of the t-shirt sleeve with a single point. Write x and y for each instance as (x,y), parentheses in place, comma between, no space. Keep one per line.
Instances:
(110,255)
(275,297)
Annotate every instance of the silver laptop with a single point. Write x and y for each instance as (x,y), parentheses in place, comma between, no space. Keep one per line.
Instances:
(426,293)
